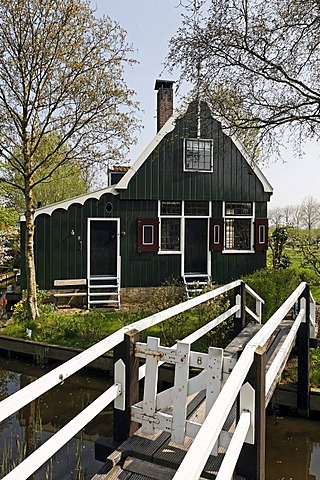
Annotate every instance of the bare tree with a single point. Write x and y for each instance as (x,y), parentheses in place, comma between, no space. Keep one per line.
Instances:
(61,71)
(296,215)
(268,51)
(310,212)
(276,216)
(288,215)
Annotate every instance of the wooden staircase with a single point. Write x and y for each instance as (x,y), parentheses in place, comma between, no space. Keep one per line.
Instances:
(103,291)
(194,283)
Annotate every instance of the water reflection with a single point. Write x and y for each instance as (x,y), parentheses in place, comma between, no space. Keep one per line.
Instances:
(292,449)
(36,422)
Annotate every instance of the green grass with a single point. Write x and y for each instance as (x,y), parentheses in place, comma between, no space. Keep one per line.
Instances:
(85,328)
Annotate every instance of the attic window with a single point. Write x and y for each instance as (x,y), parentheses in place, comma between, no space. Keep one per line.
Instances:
(198,155)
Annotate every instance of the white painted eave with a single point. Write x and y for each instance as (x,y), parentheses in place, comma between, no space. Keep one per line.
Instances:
(65,204)
(266,185)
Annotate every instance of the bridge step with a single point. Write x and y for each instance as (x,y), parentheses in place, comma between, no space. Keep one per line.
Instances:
(160,457)
(137,469)
(134,468)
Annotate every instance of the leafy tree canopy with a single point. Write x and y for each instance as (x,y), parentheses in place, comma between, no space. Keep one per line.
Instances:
(61,73)
(69,180)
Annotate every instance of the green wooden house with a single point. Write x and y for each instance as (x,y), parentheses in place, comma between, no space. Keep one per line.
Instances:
(192,205)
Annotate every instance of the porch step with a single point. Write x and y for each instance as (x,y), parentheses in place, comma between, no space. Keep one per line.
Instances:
(104,290)
(194,283)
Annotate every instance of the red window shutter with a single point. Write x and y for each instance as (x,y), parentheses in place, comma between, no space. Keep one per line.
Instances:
(261,234)
(216,234)
(148,235)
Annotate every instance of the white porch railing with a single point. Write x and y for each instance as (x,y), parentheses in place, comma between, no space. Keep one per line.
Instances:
(115,393)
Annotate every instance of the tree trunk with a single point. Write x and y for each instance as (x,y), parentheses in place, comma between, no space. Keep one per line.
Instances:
(30,263)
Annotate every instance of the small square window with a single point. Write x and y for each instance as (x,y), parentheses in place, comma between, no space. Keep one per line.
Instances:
(198,155)
(237,234)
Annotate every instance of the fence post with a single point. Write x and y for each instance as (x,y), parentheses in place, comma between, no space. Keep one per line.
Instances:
(239,321)
(251,462)
(303,343)
(123,428)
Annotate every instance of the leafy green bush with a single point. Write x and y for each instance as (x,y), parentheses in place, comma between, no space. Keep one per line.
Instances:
(274,286)
(178,327)
(20,312)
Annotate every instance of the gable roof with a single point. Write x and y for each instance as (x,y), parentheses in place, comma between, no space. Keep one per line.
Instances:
(168,127)
(131,171)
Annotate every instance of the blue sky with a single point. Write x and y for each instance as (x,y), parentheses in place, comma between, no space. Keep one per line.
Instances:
(150,24)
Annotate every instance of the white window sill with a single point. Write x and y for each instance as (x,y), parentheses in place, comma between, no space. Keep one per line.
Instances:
(169,252)
(238,251)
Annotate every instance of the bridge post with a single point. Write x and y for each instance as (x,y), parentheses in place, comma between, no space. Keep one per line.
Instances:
(123,428)
(303,343)
(251,462)
(240,317)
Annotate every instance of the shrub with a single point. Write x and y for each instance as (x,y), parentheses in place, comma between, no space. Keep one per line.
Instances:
(274,286)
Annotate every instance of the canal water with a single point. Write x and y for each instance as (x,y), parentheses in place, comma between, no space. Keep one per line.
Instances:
(35,423)
(292,449)
(292,453)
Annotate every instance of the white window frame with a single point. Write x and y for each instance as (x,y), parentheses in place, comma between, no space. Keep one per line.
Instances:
(216,234)
(262,234)
(90,220)
(240,217)
(152,234)
(188,169)
(161,217)
(182,218)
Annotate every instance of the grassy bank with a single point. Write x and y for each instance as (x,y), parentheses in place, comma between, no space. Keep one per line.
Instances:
(82,328)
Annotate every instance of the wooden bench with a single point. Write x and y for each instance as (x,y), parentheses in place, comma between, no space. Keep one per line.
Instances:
(74,287)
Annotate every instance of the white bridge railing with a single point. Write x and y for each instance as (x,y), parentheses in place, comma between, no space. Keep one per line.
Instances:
(222,377)
(210,431)
(116,392)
